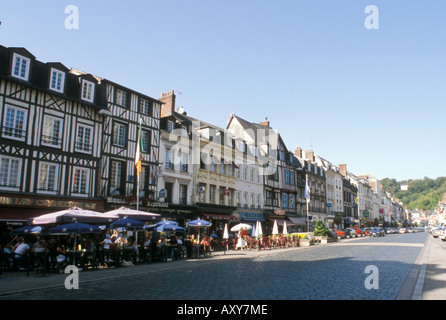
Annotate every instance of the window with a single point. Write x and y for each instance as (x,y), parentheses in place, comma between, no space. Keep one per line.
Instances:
(81,181)
(183,162)
(222,167)
(121,98)
(245,199)
(292,180)
(87,90)
(52,131)
(258,201)
(145,107)
(9,172)
(47,177)
(287,176)
(116,180)
(14,123)
(245,173)
(212,194)
(222,194)
(203,159)
(230,194)
(169,126)
(239,198)
(20,67)
(146,139)
(168,162)
(84,138)
(57,80)
(230,170)
(291,201)
(183,194)
(284,200)
(119,134)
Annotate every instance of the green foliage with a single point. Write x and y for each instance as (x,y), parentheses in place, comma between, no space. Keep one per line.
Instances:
(421,194)
(321,230)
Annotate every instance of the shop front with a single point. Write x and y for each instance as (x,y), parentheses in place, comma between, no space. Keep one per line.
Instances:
(251,218)
(218,216)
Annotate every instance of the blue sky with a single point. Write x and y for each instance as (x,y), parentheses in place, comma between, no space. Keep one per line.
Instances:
(373,99)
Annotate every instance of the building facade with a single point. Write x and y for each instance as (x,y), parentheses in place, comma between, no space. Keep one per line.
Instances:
(51,136)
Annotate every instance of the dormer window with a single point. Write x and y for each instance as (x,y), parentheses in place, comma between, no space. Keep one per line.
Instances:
(57,80)
(121,98)
(87,90)
(20,67)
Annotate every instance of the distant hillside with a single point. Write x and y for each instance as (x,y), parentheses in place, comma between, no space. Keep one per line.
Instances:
(421,194)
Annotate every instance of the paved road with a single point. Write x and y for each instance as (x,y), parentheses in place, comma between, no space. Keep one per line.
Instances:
(336,271)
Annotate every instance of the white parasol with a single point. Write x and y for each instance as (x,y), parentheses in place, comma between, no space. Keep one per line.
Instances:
(285,230)
(240,226)
(275,228)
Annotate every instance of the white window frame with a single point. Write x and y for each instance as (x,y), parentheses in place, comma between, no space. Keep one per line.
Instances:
(51,136)
(145,106)
(56,178)
(115,175)
(14,120)
(85,176)
(56,76)
(87,93)
(6,174)
(121,98)
(17,71)
(117,135)
(80,145)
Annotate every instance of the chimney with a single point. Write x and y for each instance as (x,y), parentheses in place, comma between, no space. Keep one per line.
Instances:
(343,169)
(309,155)
(168,108)
(298,152)
(265,123)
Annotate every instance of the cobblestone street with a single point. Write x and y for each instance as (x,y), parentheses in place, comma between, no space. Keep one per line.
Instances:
(323,272)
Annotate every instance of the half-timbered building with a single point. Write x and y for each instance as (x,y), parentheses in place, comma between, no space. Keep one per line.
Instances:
(51,137)
(127,110)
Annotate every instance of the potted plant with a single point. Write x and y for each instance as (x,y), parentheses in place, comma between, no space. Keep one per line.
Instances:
(322,233)
(305,241)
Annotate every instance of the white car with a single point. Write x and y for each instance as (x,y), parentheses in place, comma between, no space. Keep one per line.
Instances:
(442,235)
(436,233)
(403,230)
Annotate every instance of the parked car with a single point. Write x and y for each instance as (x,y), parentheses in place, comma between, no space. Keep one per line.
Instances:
(339,233)
(389,231)
(359,232)
(403,230)
(442,234)
(410,230)
(436,233)
(438,226)
(350,233)
(366,231)
(377,232)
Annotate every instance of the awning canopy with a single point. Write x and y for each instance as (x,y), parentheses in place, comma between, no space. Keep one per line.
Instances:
(218,216)
(280,222)
(298,221)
